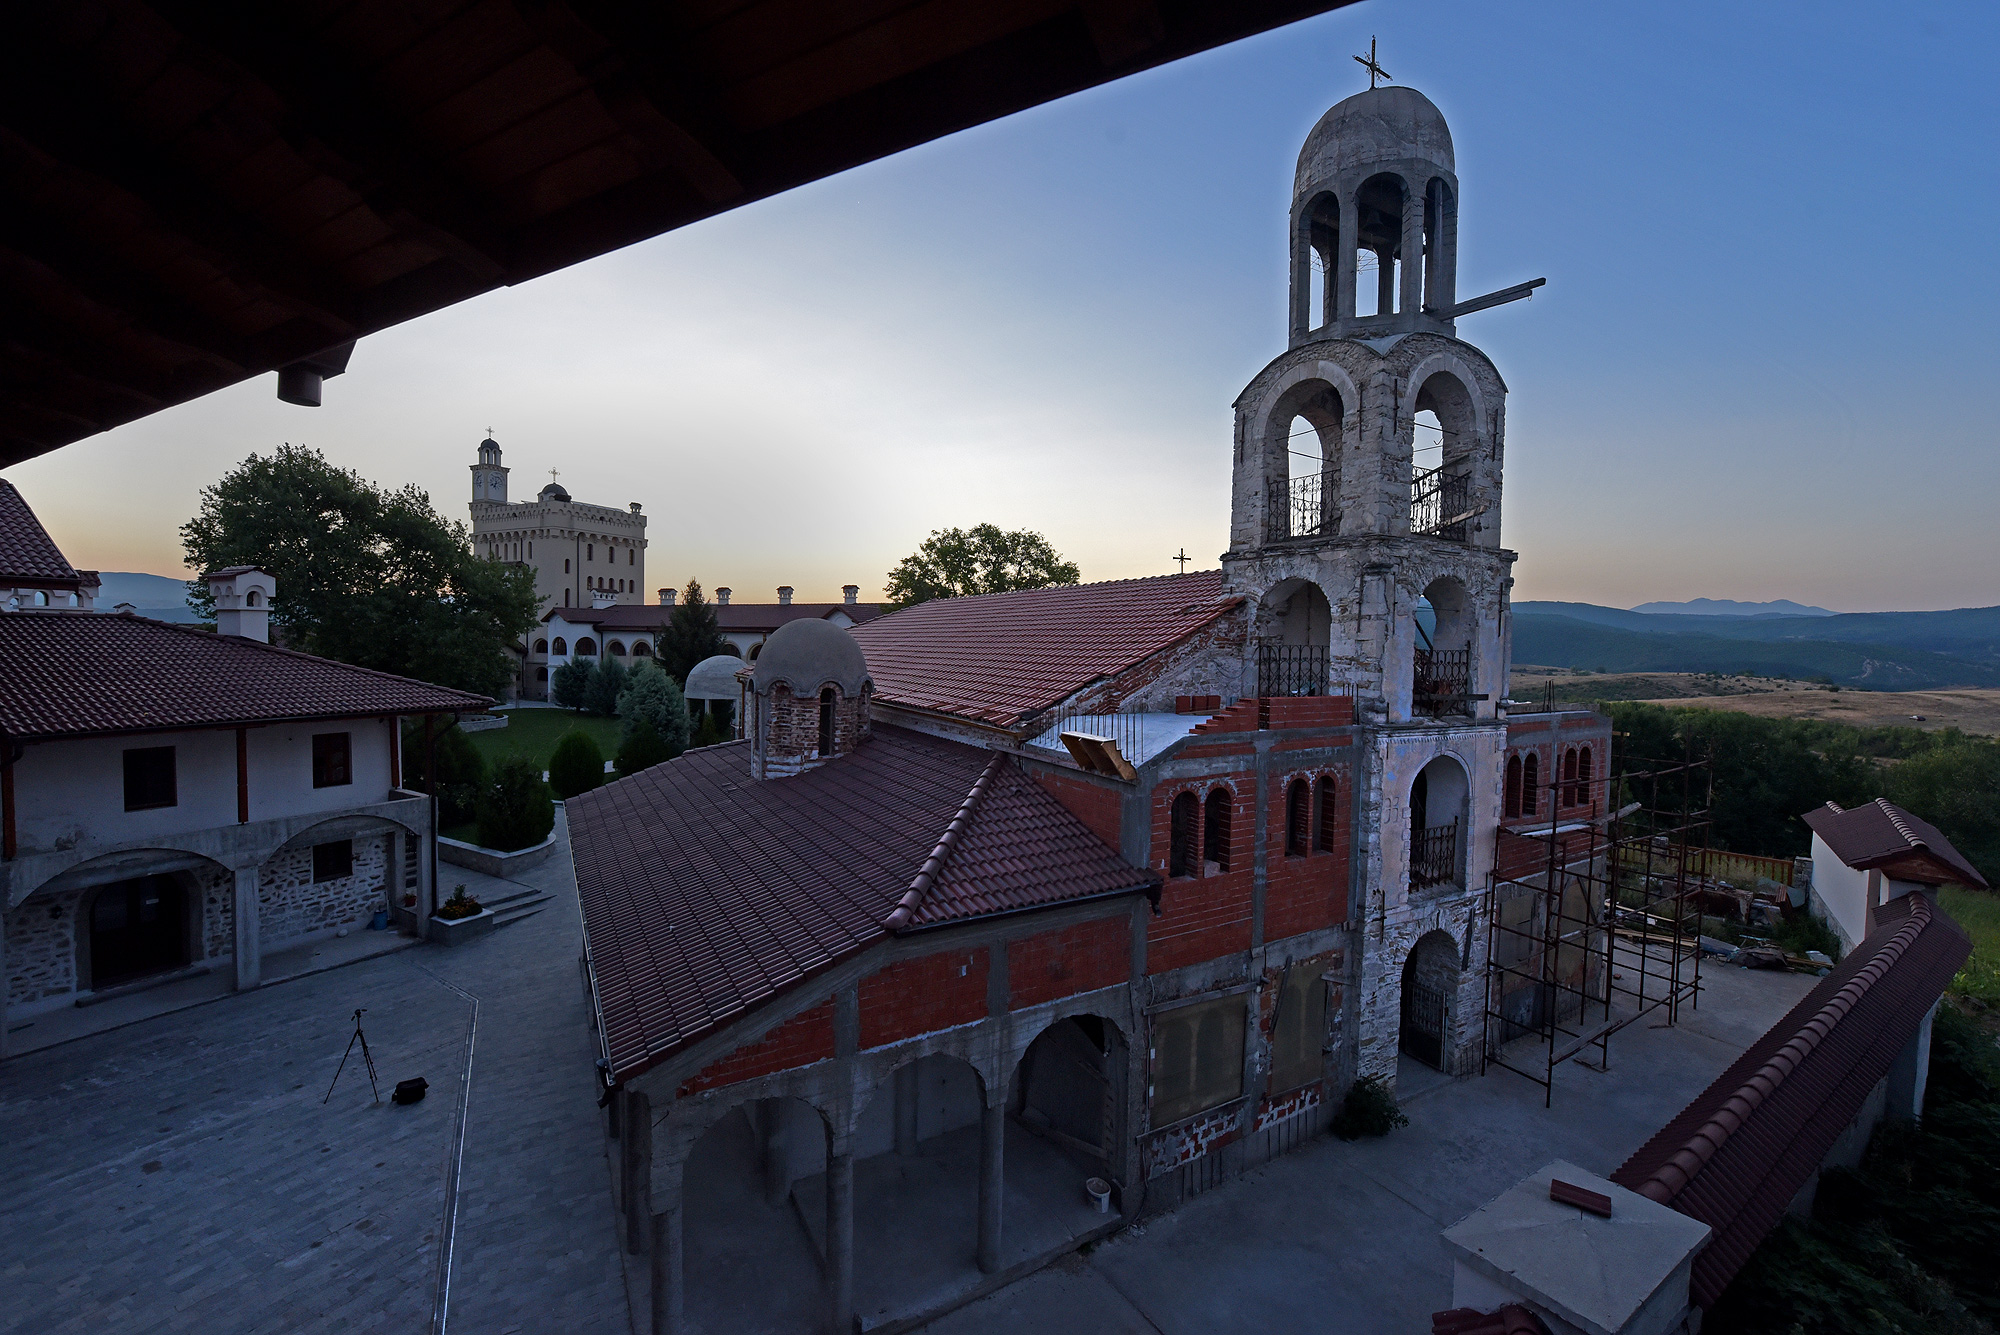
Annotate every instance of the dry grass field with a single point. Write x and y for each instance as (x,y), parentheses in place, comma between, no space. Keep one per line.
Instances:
(1973,710)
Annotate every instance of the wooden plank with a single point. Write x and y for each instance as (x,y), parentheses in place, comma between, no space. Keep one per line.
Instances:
(1583,1198)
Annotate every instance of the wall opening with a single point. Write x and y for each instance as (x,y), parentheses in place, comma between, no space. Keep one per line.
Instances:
(1444,441)
(1430,977)
(1183,826)
(1441,666)
(1438,808)
(1378,207)
(138,927)
(1215,831)
(1294,630)
(1302,463)
(743,1233)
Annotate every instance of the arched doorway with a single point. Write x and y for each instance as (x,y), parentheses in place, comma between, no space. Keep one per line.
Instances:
(1438,798)
(1294,630)
(137,927)
(1065,1126)
(1430,977)
(751,1264)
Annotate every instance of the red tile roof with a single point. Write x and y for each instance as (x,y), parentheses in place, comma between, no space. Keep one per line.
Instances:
(1003,658)
(1737,1156)
(1882,832)
(706,894)
(27,553)
(73,674)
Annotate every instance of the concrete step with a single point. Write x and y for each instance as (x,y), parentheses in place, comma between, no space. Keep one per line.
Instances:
(509,898)
(516,912)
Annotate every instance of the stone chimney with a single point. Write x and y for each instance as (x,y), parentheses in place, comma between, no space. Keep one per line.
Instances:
(243,602)
(635,507)
(666,597)
(784,595)
(722,597)
(850,594)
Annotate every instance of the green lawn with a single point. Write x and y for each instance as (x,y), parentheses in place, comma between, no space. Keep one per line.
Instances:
(1978,912)
(534,733)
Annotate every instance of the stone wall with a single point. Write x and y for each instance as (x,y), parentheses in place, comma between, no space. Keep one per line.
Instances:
(291,905)
(41,949)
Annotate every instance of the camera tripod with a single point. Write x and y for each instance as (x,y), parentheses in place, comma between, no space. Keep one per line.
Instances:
(366,1057)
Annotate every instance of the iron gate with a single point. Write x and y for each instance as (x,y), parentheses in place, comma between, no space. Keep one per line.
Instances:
(1423,1023)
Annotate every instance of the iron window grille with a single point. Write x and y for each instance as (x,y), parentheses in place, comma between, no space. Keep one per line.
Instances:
(1440,504)
(1442,680)
(1293,669)
(1300,507)
(1434,855)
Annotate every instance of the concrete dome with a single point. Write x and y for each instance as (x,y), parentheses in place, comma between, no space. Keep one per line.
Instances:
(1381,125)
(808,654)
(715,678)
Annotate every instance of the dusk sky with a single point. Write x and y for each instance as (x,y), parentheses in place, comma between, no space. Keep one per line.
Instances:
(1759,369)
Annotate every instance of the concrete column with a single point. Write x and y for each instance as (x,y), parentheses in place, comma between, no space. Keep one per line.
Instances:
(249,950)
(669,1290)
(1385,281)
(426,881)
(840,1242)
(1343,268)
(1413,248)
(906,1108)
(635,1154)
(992,1183)
(4,1052)
(1302,257)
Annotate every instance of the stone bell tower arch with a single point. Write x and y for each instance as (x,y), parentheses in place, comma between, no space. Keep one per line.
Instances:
(1367,475)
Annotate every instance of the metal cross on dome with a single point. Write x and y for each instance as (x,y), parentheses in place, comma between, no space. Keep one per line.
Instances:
(1367,62)
(552,476)
(1183,558)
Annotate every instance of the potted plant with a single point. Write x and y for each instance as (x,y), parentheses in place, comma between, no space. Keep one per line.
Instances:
(460,918)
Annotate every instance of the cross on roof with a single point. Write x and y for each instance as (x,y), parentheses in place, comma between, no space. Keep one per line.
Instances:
(552,477)
(489,433)
(1183,558)
(1367,62)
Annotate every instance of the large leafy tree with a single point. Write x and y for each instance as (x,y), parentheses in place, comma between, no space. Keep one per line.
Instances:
(954,562)
(365,575)
(691,634)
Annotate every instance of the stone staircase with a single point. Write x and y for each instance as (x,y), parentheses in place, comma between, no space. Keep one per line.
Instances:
(523,902)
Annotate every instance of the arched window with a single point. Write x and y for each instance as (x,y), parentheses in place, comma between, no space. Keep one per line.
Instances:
(1531,784)
(632,557)
(1569,778)
(642,650)
(562,645)
(1329,812)
(1513,807)
(1582,777)
(1215,829)
(1183,818)
(1298,819)
(541,646)
(615,648)
(590,551)
(587,647)
(253,599)
(826,721)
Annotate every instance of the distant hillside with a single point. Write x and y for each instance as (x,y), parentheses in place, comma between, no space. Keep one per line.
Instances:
(1727,607)
(1563,641)
(158,596)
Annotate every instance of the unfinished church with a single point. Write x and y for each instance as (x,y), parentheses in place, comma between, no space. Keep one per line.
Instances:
(1015,918)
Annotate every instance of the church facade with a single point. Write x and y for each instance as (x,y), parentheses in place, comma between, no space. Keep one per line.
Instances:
(581,554)
(1095,896)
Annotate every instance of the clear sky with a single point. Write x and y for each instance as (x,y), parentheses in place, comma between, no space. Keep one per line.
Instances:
(1759,370)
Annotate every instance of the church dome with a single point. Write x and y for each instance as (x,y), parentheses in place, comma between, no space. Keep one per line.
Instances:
(809,654)
(553,492)
(714,678)
(1377,126)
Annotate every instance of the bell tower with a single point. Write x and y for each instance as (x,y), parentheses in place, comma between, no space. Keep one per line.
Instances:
(1365,538)
(489,479)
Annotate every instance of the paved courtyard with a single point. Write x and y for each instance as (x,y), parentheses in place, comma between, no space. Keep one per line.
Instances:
(183,1173)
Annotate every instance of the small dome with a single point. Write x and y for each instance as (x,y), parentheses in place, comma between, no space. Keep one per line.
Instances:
(489,444)
(714,678)
(1379,126)
(808,654)
(553,492)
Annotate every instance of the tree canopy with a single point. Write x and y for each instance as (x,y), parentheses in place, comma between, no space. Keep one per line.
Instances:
(953,563)
(691,634)
(366,575)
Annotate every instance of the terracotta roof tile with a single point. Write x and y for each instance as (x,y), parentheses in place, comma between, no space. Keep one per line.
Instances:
(1738,1155)
(1003,658)
(26,550)
(1881,832)
(67,674)
(706,893)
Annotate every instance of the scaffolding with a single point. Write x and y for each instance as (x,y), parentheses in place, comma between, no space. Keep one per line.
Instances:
(1611,934)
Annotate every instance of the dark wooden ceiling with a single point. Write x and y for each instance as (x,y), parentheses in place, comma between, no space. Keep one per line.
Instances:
(195,193)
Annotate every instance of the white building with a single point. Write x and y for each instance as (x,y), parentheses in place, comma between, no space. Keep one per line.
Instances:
(174,800)
(580,553)
(1865,857)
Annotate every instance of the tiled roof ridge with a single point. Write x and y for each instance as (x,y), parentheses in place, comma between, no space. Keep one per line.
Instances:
(1673,1176)
(947,843)
(961,599)
(1902,827)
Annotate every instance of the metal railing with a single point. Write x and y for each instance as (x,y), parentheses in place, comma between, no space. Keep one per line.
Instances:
(1440,503)
(1301,507)
(1441,682)
(1293,669)
(1434,856)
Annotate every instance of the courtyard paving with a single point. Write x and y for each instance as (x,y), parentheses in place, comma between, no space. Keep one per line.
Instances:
(187,1173)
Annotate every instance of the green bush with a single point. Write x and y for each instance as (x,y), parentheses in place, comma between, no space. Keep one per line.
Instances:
(641,749)
(708,733)
(461,770)
(577,765)
(1368,1110)
(569,684)
(650,697)
(606,683)
(514,810)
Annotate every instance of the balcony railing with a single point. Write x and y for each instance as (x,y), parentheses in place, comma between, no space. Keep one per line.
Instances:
(1301,507)
(1293,669)
(1442,681)
(1434,856)
(1440,504)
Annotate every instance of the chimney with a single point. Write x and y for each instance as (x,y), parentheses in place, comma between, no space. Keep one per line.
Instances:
(784,595)
(243,602)
(666,597)
(850,594)
(635,507)
(125,610)
(722,597)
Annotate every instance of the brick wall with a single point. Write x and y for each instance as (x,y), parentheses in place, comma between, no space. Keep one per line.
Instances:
(1548,739)
(291,905)
(1096,805)
(789,740)
(1308,711)
(1070,960)
(917,996)
(800,1041)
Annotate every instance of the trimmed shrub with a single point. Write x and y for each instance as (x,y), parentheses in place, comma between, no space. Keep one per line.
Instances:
(708,733)
(461,771)
(606,683)
(577,765)
(514,810)
(1368,1110)
(650,697)
(569,684)
(641,749)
